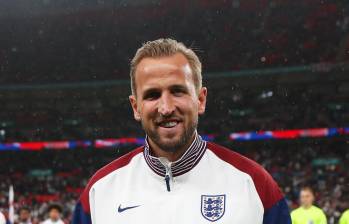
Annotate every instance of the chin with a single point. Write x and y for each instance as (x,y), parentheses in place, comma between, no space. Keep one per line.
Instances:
(170,144)
(171,141)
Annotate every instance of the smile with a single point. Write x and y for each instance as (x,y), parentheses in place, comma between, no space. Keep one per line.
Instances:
(168,123)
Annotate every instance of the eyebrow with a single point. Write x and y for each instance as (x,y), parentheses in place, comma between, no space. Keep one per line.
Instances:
(172,87)
(180,87)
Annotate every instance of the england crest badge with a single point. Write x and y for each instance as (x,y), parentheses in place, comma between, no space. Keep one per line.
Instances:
(213,206)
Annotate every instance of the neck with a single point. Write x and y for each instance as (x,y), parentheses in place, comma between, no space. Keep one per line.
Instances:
(306,206)
(171,156)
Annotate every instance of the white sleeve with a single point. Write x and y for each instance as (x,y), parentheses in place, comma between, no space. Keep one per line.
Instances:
(2,219)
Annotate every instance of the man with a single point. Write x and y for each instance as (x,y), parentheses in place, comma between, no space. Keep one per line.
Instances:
(177,177)
(344,218)
(307,213)
(54,213)
(24,216)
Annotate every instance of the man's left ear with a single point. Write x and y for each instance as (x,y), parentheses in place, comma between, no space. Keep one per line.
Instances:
(202,95)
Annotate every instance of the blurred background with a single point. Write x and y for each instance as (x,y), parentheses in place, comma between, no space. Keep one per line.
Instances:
(276,72)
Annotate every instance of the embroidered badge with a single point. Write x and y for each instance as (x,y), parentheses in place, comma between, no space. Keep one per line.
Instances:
(213,206)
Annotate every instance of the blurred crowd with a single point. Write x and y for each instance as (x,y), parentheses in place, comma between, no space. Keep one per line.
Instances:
(320,164)
(59,176)
(48,177)
(97,42)
(106,112)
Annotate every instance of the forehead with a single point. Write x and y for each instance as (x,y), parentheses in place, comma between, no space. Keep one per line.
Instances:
(306,192)
(156,72)
(54,210)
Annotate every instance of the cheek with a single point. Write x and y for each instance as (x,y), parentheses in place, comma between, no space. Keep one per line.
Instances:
(189,106)
(148,109)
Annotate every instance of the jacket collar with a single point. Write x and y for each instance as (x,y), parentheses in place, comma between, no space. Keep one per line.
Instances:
(188,161)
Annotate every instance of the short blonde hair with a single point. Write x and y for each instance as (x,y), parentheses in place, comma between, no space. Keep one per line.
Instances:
(166,47)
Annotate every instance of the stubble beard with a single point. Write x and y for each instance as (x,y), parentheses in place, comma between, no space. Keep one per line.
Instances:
(175,145)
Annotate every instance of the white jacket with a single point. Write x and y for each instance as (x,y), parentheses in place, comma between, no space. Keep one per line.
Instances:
(209,183)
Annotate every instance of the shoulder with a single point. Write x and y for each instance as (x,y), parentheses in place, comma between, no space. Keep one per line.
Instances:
(319,211)
(237,160)
(346,212)
(266,187)
(316,209)
(297,214)
(296,211)
(345,215)
(111,167)
(114,165)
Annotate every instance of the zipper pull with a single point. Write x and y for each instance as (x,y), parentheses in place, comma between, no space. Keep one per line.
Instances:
(168,176)
(167,179)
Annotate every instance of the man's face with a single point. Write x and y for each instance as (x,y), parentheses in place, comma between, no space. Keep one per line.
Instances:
(166,101)
(24,215)
(54,214)
(306,198)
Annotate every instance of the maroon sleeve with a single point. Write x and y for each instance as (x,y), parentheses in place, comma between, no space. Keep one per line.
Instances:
(267,189)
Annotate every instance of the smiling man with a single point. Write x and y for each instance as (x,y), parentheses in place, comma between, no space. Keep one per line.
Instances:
(177,177)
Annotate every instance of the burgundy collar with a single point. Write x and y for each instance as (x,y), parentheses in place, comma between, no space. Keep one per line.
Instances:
(188,161)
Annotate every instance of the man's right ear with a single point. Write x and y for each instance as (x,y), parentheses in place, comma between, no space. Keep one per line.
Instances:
(134,106)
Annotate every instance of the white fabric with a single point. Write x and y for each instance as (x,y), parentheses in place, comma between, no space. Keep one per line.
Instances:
(137,185)
(49,221)
(2,219)
(28,222)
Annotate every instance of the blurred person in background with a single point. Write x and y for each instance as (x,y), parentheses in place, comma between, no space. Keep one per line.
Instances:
(308,213)
(54,213)
(24,216)
(2,219)
(344,218)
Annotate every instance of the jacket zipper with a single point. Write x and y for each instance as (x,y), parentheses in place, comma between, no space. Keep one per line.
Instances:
(168,176)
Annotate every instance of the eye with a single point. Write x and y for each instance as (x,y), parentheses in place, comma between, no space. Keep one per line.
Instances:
(151,95)
(178,91)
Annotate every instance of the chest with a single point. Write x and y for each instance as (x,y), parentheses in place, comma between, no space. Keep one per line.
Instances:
(191,200)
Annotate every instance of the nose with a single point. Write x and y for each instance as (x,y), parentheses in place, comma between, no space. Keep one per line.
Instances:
(166,105)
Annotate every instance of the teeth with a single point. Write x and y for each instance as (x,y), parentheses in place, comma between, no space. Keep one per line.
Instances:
(170,124)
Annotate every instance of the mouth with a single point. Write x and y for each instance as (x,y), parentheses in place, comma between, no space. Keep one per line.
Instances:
(168,123)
